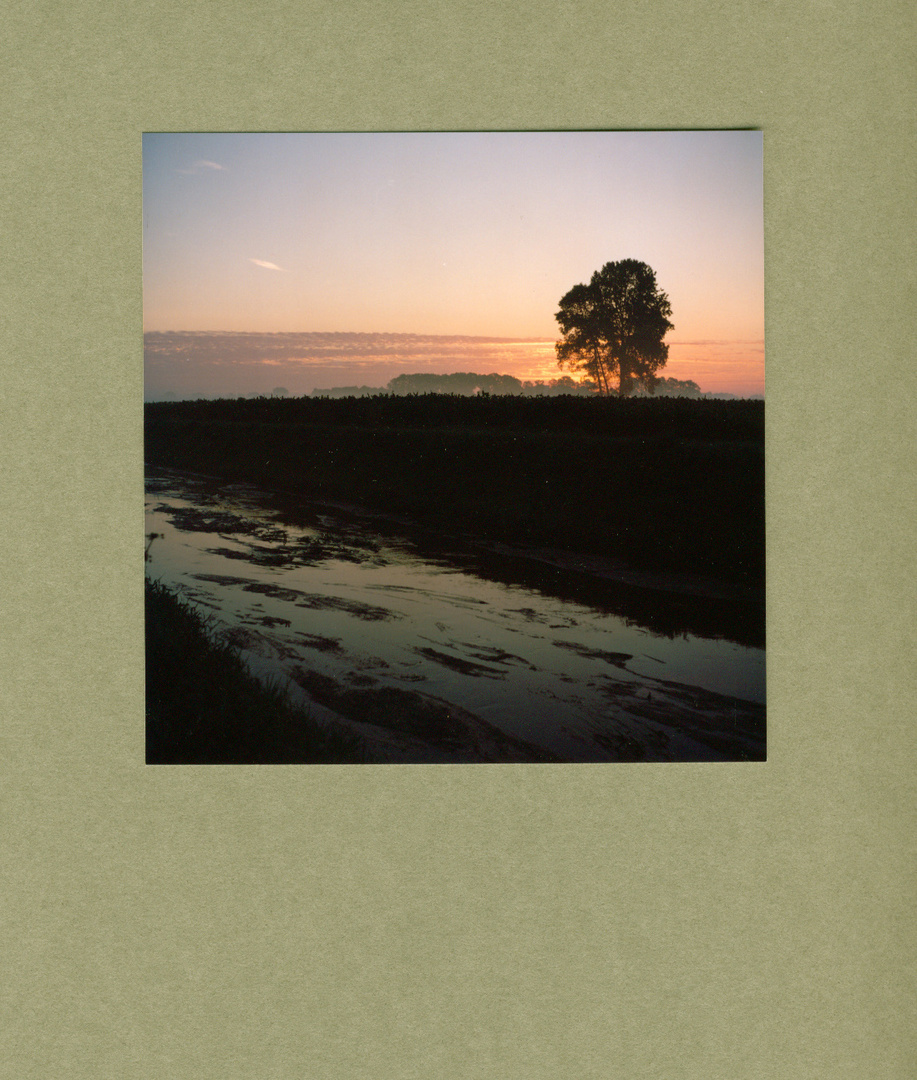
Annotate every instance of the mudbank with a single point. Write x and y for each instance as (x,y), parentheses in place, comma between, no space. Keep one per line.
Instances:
(447,653)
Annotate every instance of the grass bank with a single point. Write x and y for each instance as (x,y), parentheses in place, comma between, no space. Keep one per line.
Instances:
(669,484)
(203,707)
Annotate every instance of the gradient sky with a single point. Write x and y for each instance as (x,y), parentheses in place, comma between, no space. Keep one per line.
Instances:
(455,234)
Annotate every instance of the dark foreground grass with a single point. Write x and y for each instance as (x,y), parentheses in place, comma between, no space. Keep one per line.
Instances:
(203,707)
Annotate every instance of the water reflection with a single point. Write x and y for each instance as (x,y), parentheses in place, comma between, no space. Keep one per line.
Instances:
(440,651)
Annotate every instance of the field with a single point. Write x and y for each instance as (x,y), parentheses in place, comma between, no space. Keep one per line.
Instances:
(669,485)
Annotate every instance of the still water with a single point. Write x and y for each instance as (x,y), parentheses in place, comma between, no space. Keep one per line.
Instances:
(343,608)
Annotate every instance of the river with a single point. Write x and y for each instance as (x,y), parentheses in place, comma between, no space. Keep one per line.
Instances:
(367,620)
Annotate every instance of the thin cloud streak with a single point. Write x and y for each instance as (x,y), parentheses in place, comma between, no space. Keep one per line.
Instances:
(267,265)
(202,164)
(475,232)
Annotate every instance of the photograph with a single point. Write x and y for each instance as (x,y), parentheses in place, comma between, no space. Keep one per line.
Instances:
(454,447)
(384,391)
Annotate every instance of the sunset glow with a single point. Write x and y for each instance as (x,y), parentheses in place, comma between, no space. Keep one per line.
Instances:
(373,255)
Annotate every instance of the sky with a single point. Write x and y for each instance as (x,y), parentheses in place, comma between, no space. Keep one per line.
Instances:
(407,245)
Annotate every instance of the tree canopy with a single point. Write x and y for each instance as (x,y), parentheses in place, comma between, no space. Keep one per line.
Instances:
(457,382)
(613,327)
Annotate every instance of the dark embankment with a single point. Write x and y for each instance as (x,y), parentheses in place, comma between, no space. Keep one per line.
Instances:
(204,708)
(668,485)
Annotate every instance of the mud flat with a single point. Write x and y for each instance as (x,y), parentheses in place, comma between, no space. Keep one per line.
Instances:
(417,726)
(431,648)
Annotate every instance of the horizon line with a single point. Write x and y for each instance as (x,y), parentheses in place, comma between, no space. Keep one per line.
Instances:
(420,334)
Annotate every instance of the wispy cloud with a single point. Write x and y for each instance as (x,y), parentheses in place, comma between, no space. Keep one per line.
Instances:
(202,164)
(201,363)
(229,362)
(266,265)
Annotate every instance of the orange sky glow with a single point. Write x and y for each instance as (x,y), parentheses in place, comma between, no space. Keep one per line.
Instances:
(459,239)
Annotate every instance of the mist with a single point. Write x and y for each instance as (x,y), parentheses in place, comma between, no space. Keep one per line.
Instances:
(182,365)
(218,364)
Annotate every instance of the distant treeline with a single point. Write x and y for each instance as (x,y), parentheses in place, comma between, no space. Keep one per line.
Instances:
(469,383)
(667,484)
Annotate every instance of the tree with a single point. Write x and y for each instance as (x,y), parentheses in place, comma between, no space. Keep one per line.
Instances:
(677,388)
(614,326)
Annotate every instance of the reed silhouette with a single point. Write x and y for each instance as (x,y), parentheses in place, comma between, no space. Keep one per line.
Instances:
(203,706)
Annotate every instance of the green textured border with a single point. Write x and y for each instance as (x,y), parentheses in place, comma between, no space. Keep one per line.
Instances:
(678,922)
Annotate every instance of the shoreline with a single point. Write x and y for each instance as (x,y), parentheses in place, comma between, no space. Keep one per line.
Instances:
(666,600)
(616,571)
(668,494)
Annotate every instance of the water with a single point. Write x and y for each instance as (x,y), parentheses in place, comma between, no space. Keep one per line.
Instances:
(346,608)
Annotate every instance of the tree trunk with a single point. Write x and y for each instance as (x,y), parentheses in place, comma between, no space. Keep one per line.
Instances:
(601,372)
(625,383)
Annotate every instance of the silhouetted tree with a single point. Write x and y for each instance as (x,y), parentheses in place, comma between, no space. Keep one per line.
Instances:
(279,391)
(614,326)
